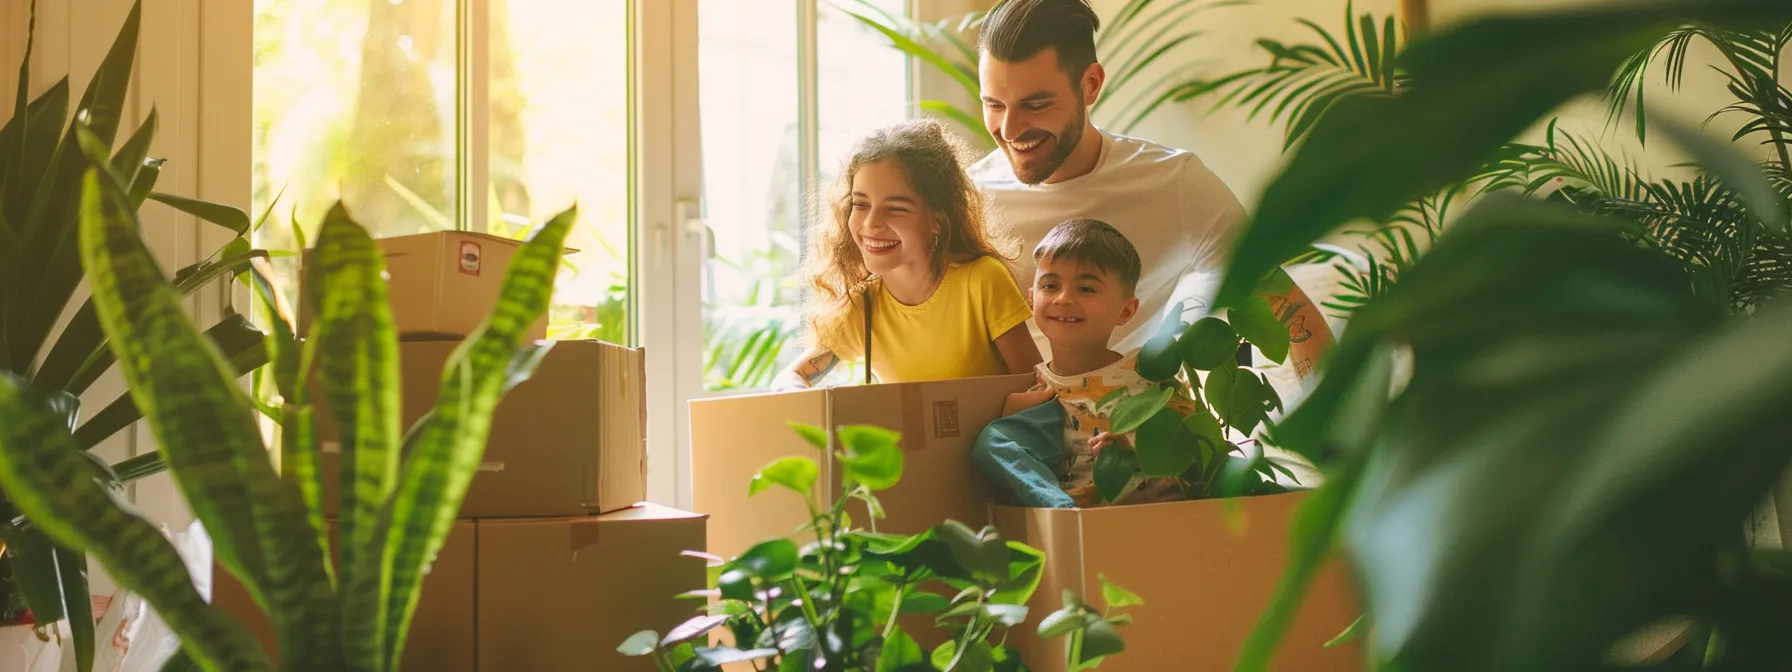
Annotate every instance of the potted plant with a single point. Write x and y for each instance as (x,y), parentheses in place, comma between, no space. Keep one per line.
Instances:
(837,603)
(41,167)
(1585,429)
(266,525)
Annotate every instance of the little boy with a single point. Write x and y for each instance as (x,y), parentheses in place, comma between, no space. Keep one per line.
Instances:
(1082,291)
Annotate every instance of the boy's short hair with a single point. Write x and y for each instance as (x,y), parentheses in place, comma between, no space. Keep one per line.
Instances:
(1096,243)
(1016,30)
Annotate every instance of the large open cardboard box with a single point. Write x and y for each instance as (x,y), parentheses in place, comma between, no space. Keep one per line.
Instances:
(1204,583)
(570,441)
(541,594)
(732,438)
(440,284)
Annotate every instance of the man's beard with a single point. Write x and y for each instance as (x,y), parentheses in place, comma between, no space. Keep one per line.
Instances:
(1067,140)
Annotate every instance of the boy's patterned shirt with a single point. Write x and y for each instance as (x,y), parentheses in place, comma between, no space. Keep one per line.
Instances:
(1089,400)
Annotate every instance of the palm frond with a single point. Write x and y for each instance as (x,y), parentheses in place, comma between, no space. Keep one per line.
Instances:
(1706,226)
(1303,81)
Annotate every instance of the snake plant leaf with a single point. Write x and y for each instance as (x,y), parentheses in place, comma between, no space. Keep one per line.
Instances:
(78,511)
(443,452)
(42,130)
(1369,154)
(236,338)
(206,429)
(226,216)
(53,270)
(357,352)
(131,157)
(80,355)
(292,361)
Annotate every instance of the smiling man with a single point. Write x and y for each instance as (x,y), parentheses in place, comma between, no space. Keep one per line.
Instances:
(1039,75)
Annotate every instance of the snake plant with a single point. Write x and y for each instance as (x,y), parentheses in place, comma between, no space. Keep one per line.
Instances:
(41,168)
(266,524)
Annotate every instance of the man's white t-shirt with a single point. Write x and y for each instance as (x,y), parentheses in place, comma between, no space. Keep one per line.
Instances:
(1177,213)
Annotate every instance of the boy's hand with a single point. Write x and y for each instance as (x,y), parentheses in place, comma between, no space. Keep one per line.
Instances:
(1108,439)
(1020,401)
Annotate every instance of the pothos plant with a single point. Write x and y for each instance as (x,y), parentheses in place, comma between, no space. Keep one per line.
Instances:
(1228,402)
(838,602)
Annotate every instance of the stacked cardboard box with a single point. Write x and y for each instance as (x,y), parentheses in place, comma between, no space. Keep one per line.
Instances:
(1205,569)
(554,561)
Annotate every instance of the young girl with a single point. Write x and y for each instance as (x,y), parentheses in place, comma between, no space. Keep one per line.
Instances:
(908,239)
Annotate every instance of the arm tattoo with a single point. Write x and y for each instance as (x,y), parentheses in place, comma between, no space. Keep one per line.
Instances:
(1286,311)
(817,367)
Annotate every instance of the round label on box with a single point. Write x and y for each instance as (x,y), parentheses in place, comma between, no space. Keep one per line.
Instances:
(469,257)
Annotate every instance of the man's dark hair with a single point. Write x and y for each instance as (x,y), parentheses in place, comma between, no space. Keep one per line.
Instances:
(1095,243)
(1017,30)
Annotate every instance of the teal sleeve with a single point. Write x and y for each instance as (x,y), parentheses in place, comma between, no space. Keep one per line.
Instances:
(1017,453)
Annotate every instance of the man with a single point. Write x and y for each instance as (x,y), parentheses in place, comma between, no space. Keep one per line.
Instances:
(1039,75)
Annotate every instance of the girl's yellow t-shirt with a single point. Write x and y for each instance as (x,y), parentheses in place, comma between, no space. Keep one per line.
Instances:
(950,335)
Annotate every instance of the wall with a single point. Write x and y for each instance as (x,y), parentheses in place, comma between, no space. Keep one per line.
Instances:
(192,69)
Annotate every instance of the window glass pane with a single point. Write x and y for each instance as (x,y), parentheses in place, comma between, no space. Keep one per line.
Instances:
(355,100)
(747,65)
(558,135)
(749,78)
(862,81)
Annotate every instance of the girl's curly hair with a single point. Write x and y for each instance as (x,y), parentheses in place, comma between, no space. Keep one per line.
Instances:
(934,161)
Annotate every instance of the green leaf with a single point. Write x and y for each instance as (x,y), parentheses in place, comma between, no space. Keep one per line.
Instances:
(921,602)
(42,132)
(131,156)
(718,656)
(1135,409)
(815,436)
(71,568)
(1100,640)
(35,570)
(1209,343)
(206,429)
(642,643)
(1113,470)
(1368,155)
(969,121)
(1350,634)
(226,216)
(926,55)
(1009,615)
(1117,597)
(899,652)
(871,456)
(1242,395)
(772,560)
(1257,323)
(1159,358)
(1060,623)
(357,355)
(1026,568)
(235,337)
(1734,168)
(1164,448)
(36,451)
(1277,283)
(984,555)
(443,452)
(796,473)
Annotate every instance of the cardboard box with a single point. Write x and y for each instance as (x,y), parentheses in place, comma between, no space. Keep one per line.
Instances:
(1204,585)
(440,284)
(570,441)
(732,438)
(541,594)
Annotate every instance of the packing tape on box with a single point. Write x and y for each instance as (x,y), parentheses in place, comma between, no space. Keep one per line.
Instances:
(914,421)
(335,448)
